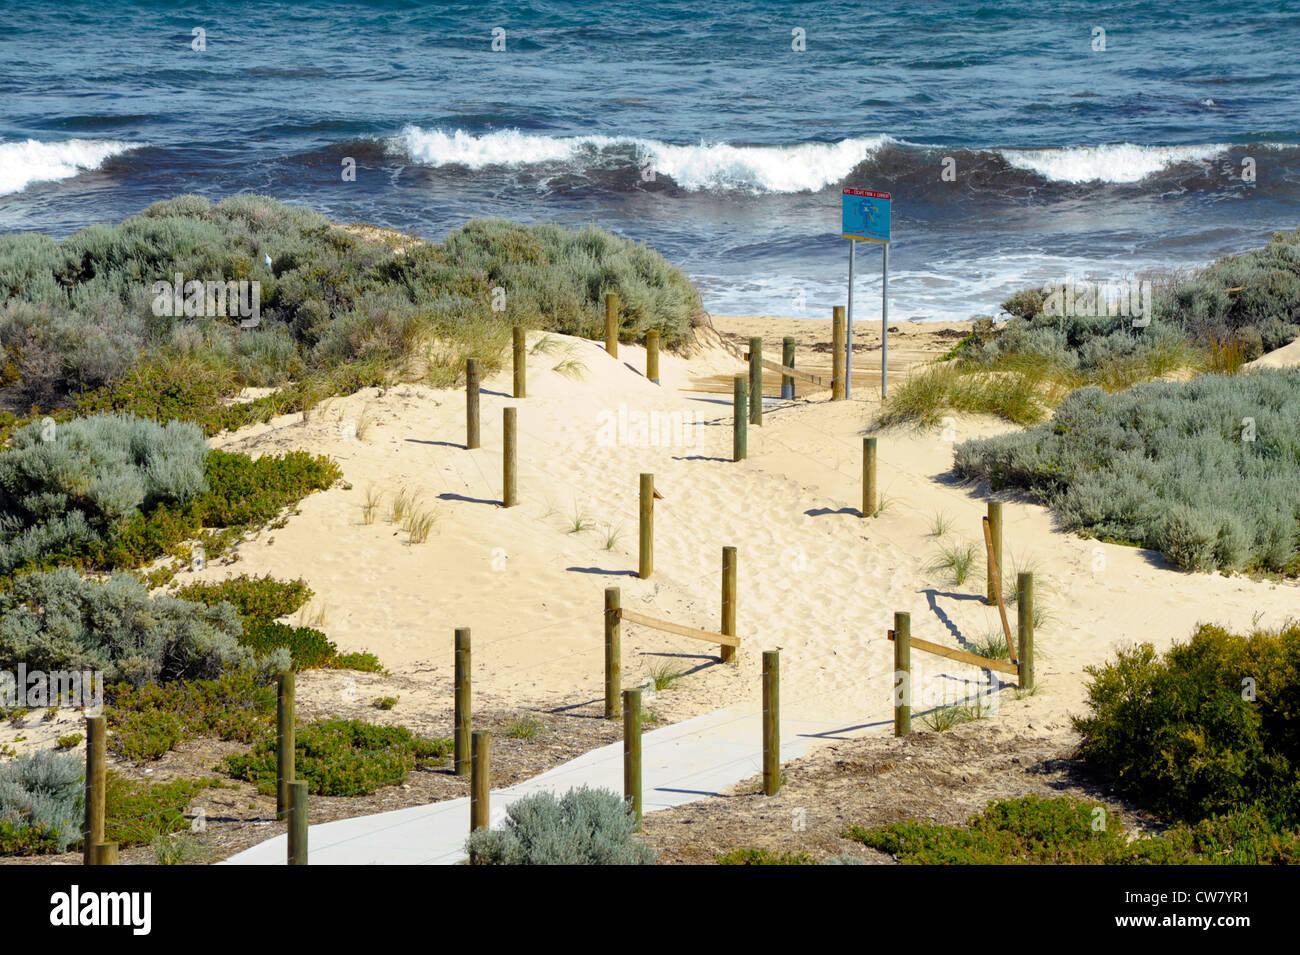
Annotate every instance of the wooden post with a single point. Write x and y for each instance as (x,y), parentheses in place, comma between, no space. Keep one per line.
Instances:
(837,353)
(771,721)
(995,529)
(521,362)
(756,381)
(1025,628)
(647,563)
(611,323)
(613,651)
(285,742)
(728,600)
(480,785)
(632,752)
(652,355)
(298,822)
(471,403)
(509,485)
(870,500)
(740,420)
(902,674)
(105,854)
(460,738)
(787,359)
(96,776)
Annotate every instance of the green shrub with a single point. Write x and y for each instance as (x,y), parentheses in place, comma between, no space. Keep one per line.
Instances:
(252,491)
(137,813)
(342,758)
(58,620)
(151,720)
(1203,471)
(1180,734)
(582,827)
(765,857)
(42,799)
(264,598)
(1067,831)
(309,649)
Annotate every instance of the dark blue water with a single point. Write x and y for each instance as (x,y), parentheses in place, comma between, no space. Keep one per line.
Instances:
(694,127)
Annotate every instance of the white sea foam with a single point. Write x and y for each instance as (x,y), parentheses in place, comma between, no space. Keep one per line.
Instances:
(806,167)
(22,164)
(1121,162)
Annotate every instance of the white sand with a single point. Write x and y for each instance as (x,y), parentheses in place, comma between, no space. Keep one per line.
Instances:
(815,579)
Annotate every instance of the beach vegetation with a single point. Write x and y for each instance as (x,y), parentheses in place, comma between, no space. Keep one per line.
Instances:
(582,827)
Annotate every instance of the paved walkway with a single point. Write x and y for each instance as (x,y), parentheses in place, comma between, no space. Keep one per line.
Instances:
(679,764)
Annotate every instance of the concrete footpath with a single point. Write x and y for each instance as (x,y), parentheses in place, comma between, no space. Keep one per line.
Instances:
(680,763)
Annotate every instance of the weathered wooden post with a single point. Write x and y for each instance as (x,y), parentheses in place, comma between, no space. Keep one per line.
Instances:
(632,752)
(521,362)
(870,501)
(995,531)
(298,822)
(285,742)
(756,381)
(740,420)
(509,484)
(771,721)
(471,403)
(647,555)
(611,323)
(1025,629)
(787,359)
(837,353)
(461,719)
(480,784)
(902,674)
(613,651)
(105,853)
(96,776)
(728,600)
(652,355)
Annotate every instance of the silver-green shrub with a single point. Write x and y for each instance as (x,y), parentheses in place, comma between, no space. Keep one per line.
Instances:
(582,827)
(42,801)
(61,621)
(1205,471)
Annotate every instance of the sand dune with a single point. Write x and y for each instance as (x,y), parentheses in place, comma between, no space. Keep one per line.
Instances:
(815,579)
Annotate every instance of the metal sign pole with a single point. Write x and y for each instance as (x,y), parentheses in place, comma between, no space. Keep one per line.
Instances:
(884,323)
(848,334)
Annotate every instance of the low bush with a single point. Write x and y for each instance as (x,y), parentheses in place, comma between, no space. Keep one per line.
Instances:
(137,813)
(244,491)
(1211,726)
(308,648)
(151,720)
(582,827)
(58,620)
(42,800)
(1204,471)
(1067,831)
(342,758)
(765,857)
(263,598)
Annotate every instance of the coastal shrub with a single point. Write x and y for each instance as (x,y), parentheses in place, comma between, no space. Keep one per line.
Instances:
(342,758)
(765,857)
(136,813)
(42,799)
(1211,726)
(1204,471)
(58,620)
(65,486)
(149,721)
(264,598)
(250,491)
(308,648)
(1064,831)
(582,827)
(78,327)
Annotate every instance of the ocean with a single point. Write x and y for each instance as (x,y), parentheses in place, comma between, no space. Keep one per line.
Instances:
(720,134)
